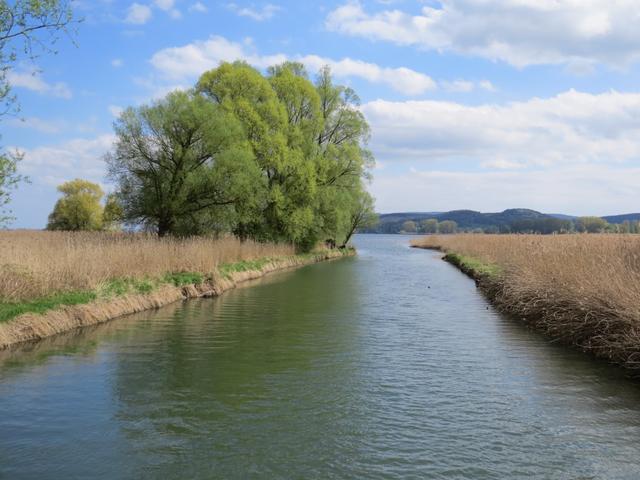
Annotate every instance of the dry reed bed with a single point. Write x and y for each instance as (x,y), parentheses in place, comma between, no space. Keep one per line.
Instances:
(30,327)
(579,289)
(36,264)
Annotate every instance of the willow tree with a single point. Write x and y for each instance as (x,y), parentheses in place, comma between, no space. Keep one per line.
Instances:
(182,165)
(239,89)
(309,142)
(344,160)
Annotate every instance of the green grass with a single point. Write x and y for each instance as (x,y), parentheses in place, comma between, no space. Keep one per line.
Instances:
(474,265)
(226,269)
(112,288)
(180,279)
(122,286)
(10,310)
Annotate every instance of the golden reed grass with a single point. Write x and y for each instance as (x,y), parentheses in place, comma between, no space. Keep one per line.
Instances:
(37,263)
(580,289)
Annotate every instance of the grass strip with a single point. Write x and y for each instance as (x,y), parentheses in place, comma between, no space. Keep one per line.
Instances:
(473,266)
(9,310)
(123,286)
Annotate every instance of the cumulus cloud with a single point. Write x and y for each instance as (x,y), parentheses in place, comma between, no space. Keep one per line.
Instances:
(583,190)
(572,127)
(191,60)
(198,7)
(38,124)
(164,4)
(115,110)
(576,152)
(258,14)
(577,33)
(138,14)
(32,80)
(54,164)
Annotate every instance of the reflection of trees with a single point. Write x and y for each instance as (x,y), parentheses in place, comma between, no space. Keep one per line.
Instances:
(225,364)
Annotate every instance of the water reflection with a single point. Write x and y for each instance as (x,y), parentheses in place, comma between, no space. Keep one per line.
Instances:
(390,365)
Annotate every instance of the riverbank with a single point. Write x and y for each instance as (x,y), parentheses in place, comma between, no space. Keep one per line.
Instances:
(54,282)
(577,289)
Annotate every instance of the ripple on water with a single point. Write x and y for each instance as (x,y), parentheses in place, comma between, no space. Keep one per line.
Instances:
(349,369)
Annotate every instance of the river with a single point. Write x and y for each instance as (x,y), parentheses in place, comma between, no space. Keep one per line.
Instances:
(389,365)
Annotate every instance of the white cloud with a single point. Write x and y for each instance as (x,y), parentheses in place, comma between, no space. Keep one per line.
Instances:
(32,80)
(575,152)
(570,128)
(198,7)
(520,32)
(138,14)
(115,110)
(488,86)
(193,59)
(403,80)
(117,63)
(458,86)
(583,190)
(38,124)
(258,14)
(164,4)
(58,163)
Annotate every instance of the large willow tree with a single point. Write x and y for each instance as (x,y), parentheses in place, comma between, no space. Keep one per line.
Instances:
(272,157)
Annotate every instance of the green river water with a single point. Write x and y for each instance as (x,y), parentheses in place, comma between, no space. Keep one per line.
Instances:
(389,365)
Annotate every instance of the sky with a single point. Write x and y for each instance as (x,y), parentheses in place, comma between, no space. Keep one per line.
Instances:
(473,104)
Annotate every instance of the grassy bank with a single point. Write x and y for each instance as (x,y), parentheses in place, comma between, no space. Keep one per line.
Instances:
(582,290)
(50,282)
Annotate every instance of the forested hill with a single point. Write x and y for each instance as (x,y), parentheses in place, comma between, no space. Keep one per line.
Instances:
(515,219)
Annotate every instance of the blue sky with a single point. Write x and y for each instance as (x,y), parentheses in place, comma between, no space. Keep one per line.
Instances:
(481,104)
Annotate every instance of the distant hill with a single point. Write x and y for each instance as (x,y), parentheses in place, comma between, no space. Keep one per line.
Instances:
(631,217)
(466,219)
(511,220)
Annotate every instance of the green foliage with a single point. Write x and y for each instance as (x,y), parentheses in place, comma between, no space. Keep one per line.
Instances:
(409,227)
(79,208)
(11,310)
(273,157)
(447,227)
(429,225)
(226,269)
(113,213)
(182,165)
(473,265)
(591,224)
(180,279)
(9,179)
(28,28)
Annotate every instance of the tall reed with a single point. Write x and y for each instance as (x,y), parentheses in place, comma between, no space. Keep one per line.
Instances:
(36,263)
(583,289)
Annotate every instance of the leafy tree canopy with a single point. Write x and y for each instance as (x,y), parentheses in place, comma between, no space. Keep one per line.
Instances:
(79,208)
(272,157)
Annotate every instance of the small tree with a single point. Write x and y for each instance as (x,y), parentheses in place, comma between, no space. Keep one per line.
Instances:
(447,227)
(429,226)
(113,214)
(591,224)
(79,208)
(9,179)
(362,215)
(409,227)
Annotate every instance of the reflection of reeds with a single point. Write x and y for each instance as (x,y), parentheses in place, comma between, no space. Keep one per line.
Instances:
(580,289)
(35,264)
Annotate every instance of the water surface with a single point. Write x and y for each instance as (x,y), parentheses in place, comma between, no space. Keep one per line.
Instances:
(388,365)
